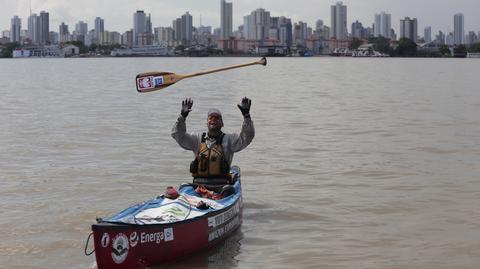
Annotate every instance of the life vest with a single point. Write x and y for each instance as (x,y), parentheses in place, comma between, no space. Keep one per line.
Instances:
(210,162)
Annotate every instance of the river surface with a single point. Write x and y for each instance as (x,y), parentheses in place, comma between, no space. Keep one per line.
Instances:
(356,163)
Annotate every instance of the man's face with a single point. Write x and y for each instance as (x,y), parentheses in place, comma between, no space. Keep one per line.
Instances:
(214,122)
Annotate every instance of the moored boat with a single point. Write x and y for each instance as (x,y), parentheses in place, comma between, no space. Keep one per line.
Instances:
(163,229)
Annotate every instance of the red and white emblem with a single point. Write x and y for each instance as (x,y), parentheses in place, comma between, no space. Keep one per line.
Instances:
(145,83)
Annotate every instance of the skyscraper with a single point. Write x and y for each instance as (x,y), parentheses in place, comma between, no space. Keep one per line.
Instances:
(63,32)
(458,29)
(357,30)
(44,28)
(34,28)
(226,17)
(409,29)
(338,20)
(99,29)
(139,25)
(187,25)
(383,24)
(81,28)
(15,28)
(257,24)
(428,34)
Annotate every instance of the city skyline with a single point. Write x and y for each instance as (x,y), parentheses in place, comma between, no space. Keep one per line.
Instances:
(162,13)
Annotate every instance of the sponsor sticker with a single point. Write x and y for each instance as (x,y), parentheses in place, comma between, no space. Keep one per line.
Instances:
(168,232)
(105,240)
(119,248)
(145,83)
(158,81)
(133,239)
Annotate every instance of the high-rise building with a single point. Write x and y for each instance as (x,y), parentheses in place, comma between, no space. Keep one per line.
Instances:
(226,18)
(81,28)
(285,31)
(409,29)
(257,24)
(440,38)
(34,28)
(471,38)
(139,25)
(427,34)
(63,32)
(357,30)
(300,32)
(450,39)
(338,20)
(187,25)
(383,24)
(44,28)
(15,28)
(99,29)
(458,29)
(183,28)
(148,24)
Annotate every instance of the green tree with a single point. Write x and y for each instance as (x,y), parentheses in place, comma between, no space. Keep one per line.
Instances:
(380,44)
(444,50)
(356,43)
(474,48)
(406,48)
(7,51)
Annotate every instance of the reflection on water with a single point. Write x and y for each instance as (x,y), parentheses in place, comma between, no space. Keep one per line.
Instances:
(221,256)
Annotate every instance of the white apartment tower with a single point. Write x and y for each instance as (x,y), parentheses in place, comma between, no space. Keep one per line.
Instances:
(338,19)
(226,18)
(383,25)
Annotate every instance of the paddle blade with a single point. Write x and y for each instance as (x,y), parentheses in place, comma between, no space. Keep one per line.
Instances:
(154,81)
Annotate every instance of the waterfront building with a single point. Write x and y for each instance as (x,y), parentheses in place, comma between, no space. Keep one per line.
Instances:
(409,29)
(300,33)
(338,23)
(226,18)
(63,32)
(6,33)
(139,25)
(81,28)
(99,28)
(183,29)
(257,24)
(164,35)
(285,34)
(53,37)
(44,37)
(358,31)
(427,34)
(440,38)
(382,25)
(15,28)
(34,28)
(127,38)
(187,25)
(471,38)
(450,39)
(458,29)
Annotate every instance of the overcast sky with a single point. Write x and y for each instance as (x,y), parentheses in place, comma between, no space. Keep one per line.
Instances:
(118,14)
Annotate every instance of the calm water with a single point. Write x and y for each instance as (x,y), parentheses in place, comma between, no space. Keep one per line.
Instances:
(356,163)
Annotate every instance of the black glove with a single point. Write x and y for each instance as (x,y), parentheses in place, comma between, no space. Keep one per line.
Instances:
(245,107)
(186,107)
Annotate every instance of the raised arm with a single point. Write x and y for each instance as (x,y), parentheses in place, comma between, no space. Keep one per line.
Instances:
(179,130)
(242,140)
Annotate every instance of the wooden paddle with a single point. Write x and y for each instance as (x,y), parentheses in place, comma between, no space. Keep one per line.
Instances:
(153,81)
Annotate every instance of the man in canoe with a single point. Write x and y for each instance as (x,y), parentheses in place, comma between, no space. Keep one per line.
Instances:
(213,150)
